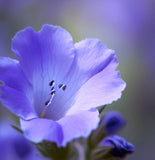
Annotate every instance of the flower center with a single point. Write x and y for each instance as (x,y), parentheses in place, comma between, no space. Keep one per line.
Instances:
(52,93)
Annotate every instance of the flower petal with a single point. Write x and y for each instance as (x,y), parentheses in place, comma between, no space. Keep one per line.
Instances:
(44,56)
(12,75)
(103,88)
(46,51)
(16,102)
(78,125)
(37,130)
(91,58)
(15,90)
(120,146)
(113,122)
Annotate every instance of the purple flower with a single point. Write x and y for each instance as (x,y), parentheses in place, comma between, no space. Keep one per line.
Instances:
(120,146)
(14,146)
(113,121)
(56,84)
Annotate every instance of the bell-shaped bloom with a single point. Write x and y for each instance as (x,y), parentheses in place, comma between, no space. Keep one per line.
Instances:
(113,122)
(56,84)
(120,146)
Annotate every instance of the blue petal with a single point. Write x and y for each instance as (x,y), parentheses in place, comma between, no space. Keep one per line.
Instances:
(37,130)
(120,146)
(13,145)
(78,125)
(91,58)
(103,88)
(94,73)
(44,56)
(113,122)
(12,75)
(16,102)
(15,90)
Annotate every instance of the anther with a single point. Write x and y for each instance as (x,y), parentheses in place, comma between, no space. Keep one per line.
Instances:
(63,86)
(46,103)
(60,85)
(52,88)
(53,92)
(51,83)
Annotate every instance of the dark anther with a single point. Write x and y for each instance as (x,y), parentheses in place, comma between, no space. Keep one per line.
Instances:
(52,88)
(64,87)
(53,92)
(60,85)
(46,103)
(51,83)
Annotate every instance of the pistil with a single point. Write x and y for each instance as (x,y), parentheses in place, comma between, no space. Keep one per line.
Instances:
(47,103)
(53,92)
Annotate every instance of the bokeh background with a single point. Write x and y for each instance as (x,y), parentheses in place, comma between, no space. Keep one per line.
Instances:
(126,26)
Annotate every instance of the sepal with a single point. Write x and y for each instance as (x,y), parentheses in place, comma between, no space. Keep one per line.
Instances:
(101,108)
(102,152)
(52,151)
(17,128)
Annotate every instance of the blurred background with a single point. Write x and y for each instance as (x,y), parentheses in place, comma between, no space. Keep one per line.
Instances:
(126,26)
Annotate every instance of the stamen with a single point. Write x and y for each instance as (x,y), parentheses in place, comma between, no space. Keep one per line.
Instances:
(43,113)
(47,103)
(63,86)
(53,92)
(60,85)
(52,88)
(51,83)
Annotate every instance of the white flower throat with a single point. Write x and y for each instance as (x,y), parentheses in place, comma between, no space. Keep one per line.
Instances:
(53,92)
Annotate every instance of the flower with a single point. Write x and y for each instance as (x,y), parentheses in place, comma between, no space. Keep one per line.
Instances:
(113,121)
(56,84)
(120,147)
(16,145)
